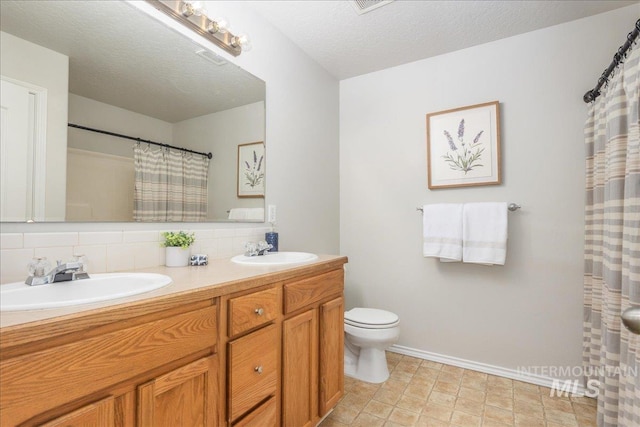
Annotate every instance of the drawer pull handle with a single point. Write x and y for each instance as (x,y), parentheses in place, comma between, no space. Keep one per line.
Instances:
(259,311)
(258,369)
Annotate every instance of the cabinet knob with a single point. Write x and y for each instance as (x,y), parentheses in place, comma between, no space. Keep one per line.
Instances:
(258,369)
(259,311)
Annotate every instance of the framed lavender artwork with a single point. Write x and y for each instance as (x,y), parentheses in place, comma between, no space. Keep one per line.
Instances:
(463,146)
(251,167)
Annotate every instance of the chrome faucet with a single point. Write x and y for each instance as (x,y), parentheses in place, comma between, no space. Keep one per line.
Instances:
(63,272)
(257,249)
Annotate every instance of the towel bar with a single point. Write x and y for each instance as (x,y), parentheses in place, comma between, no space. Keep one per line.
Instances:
(512,207)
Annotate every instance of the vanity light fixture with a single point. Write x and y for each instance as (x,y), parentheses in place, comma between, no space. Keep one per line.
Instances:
(191,14)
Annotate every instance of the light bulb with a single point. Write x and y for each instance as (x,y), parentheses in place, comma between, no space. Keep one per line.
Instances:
(199,8)
(189,8)
(242,41)
(218,25)
(223,24)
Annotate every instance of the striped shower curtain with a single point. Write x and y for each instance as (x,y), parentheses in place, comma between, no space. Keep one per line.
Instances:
(611,354)
(169,186)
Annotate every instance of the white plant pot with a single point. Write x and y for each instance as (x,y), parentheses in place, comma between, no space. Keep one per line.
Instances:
(176,256)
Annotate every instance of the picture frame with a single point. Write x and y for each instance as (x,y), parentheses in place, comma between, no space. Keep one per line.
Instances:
(463,146)
(251,170)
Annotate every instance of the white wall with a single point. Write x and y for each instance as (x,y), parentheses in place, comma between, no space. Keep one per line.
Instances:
(221,133)
(100,187)
(100,175)
(528,312)
(94,114)
(30,63)
(301,132)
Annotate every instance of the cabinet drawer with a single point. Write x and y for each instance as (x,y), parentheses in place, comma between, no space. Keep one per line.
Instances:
(252,310)
(308,291)
(263,416)
(253,369)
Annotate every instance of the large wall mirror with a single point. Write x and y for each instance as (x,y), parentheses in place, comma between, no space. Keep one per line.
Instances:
(106,66)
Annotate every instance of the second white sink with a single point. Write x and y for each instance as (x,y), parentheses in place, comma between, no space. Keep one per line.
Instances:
(275,258)
(100,287)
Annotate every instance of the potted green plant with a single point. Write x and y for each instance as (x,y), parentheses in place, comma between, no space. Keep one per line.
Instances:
(177,246)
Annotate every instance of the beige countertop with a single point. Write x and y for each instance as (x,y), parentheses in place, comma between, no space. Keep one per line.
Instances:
(221,276)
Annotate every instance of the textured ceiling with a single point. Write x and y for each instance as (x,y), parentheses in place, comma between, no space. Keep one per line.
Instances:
(125,58)
(347,44)
(122,57)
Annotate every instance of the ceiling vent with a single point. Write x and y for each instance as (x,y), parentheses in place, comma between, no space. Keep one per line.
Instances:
(211,57)
(364,6)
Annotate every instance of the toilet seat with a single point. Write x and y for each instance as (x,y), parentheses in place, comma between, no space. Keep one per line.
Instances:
(371,318)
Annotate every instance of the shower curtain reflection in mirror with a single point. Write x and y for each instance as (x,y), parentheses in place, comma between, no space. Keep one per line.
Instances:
(169,185)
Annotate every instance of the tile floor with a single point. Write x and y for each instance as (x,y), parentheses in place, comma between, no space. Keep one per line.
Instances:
(424,393)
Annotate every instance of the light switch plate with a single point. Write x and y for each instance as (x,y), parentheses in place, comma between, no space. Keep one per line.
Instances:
(271,213)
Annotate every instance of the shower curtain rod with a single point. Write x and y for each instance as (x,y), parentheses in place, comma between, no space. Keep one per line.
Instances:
(146,141)
(617,59)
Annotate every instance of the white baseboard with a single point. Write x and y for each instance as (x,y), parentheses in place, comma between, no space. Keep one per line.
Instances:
(482,367)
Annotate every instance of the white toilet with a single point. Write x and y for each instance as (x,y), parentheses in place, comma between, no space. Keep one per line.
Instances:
(368,332)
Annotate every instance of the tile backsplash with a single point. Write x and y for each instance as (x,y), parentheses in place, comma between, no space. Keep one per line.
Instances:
(110,251)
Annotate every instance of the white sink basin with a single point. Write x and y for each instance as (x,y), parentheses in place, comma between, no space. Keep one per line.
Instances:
(275,258)
(100,287)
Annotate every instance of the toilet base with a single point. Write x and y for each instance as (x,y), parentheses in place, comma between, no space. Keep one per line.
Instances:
(370,365)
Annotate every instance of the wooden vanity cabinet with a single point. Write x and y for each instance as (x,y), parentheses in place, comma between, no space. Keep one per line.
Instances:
(253,356)
(156,369)
(267,353)
(312,348)
(301,321)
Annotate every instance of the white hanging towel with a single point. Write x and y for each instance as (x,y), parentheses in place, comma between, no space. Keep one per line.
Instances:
(442,231)
(247,214)
(484,233)
(238,213)
(255,214)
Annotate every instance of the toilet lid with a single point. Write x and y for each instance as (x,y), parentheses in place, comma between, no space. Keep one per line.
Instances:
(370,318)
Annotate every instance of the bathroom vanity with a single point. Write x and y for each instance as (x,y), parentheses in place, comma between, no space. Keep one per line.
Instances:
(223,345)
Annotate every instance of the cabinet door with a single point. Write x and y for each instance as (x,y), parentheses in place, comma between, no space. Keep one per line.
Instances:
(183,397)
(331,345)
(300,370)
(100,413)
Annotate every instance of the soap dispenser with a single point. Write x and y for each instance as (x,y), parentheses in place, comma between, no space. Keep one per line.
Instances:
(272,238)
